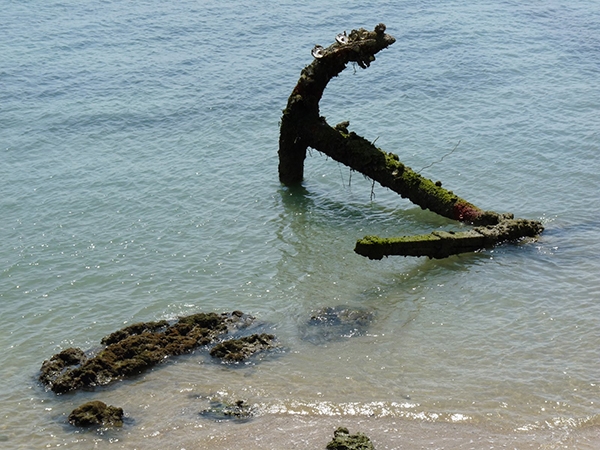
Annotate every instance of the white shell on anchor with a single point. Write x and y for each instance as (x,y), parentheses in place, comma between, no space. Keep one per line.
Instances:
(318,51)
(342,38)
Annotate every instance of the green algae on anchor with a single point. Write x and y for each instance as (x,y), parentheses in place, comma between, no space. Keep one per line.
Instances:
(441,244)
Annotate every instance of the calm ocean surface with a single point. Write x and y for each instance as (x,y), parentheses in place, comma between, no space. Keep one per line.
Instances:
(138,181)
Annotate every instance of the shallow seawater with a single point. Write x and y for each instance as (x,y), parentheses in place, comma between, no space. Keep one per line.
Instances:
(138,168)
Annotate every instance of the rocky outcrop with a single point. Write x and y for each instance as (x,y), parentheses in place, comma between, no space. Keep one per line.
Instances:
(236,350)
(334,323)
(343,440)
(135,348)
(53,368)
(220,411)
(96,413)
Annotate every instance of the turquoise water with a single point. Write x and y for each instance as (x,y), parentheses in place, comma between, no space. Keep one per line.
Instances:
(138,168)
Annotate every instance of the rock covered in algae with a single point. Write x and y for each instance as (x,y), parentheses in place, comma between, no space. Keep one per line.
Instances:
(55,366)
(334,323)
(343,440)
(135,348)
(236,350)
(220,411)
(96,413)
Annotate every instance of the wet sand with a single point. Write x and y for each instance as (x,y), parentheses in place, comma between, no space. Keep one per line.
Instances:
(302,432)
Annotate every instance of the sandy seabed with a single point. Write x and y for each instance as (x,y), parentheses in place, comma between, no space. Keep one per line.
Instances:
(303,432)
